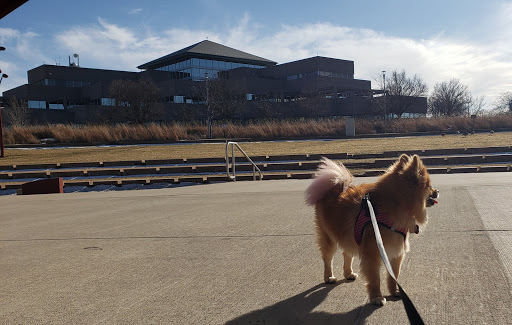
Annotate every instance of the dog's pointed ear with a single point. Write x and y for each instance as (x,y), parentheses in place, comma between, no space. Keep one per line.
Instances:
(400,163)
(415,165)
(404,159)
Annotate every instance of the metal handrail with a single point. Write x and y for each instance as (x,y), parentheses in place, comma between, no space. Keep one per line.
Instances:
(254,167)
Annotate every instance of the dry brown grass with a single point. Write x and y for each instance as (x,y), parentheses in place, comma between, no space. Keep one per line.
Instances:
(199,150)
(294,129)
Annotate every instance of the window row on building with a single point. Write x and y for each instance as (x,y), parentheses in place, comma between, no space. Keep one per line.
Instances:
(62,83)
(197,68)
(321,73)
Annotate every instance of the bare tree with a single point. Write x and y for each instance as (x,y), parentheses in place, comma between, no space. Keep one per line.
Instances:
(477,105)
(137,99)
(452,98)
(313,104)
(400,92)
(267,107)
(503,103)
(223,101)
(17,112)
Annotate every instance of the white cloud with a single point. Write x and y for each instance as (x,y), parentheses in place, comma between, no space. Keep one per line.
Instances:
(135,11)
(22,52)
(437,59)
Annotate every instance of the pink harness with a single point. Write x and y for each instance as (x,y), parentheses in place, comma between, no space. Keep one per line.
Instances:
(363,219)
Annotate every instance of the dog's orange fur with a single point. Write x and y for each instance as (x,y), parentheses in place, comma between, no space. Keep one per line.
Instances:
(401,192)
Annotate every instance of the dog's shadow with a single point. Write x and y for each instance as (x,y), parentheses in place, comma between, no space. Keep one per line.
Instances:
(299,309)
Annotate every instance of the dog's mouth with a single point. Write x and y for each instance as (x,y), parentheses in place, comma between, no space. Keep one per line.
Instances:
(431,200)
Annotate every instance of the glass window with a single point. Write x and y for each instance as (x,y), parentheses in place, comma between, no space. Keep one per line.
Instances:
(195,62)
(108,102)
(202,62)
(222,65)
(179,99)
(56,106)
(36,104)
(195,73)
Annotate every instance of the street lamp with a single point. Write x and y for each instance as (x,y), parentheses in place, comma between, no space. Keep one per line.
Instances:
(208,113)
(385,99)
(2,154)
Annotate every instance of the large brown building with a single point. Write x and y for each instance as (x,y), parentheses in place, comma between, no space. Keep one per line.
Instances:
(257,87)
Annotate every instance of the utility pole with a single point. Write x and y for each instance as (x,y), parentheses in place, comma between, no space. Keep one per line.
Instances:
(208,110)
(1,136)
(2,153)
(385,99)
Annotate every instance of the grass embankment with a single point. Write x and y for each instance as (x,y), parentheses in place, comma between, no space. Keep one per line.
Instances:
(200,150)
(295,129)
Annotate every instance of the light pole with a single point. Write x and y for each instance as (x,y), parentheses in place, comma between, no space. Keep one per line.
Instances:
(385,99)
(208,113)
(2,153)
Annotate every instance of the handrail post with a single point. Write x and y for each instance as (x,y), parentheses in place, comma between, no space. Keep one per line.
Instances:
(233,162)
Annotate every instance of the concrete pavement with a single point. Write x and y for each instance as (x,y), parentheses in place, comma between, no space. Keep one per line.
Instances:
(241,253)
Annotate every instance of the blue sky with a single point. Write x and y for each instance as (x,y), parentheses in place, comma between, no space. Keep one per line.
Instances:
(437,39)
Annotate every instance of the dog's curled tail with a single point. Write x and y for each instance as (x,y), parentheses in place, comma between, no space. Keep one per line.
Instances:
(328,176)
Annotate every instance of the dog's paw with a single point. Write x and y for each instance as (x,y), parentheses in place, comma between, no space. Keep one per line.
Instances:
(331,280)
(396,293)
(352,276)
(378,301)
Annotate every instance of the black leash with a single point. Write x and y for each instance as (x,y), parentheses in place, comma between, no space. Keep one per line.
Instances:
(412,313)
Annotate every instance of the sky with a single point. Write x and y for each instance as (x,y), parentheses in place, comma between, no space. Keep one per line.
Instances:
(437,40)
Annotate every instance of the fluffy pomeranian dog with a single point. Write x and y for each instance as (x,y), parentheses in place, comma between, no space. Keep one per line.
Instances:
(399,197)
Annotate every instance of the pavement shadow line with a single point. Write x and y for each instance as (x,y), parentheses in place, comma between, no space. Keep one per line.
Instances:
(299,310)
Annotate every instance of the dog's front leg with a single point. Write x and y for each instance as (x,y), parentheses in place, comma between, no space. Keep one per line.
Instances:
(370,267)
(396,263)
